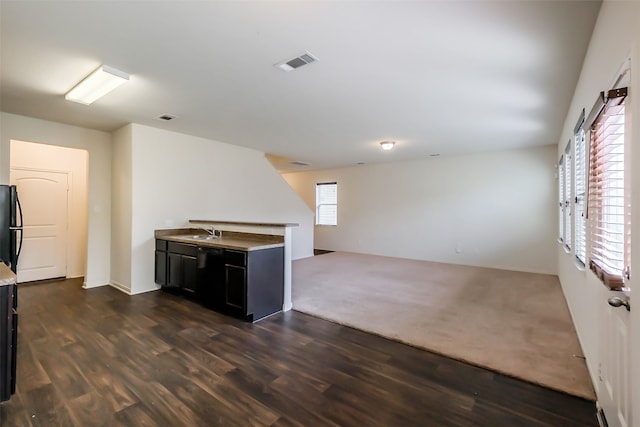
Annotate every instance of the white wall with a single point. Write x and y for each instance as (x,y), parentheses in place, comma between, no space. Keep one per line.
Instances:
(121,209)
(177,177)
(615,38)
(492,210)
(98,145)
(27,155)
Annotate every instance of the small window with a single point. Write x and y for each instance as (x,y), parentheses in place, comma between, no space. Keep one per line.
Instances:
(561,199)
(580,191)
(608,205)
(567,196)
(327,203)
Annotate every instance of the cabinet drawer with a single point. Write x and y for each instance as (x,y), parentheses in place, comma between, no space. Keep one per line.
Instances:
(161,245)
(182,248)
(235,257)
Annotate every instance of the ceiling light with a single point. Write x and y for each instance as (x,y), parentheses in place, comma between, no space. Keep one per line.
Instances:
(387,145)
(96,85)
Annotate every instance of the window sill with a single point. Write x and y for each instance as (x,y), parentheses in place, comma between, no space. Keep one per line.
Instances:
(613,282)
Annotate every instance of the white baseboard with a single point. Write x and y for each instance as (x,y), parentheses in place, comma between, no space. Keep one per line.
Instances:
(127,290)
(143,291)
(84,285)
(121,287)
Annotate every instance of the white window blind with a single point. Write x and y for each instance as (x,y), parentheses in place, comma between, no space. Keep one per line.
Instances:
(561,199)
(580,187)
(327,203)
(567,196)
(608,208)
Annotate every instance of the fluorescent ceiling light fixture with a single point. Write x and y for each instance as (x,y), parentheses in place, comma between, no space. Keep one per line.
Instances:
(96,85)
(387,145)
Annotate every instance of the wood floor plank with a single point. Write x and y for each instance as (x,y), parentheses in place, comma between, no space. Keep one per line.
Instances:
(99,357)
(30,371)
(90,409)
(137,415)
(47,407)
(64,374)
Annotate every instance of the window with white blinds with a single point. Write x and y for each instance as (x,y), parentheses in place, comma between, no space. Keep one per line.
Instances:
(609,205)
(561,199)
(567,196)
(327,203)
(580,191)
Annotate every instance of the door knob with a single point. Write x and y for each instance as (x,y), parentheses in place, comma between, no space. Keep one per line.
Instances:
(617,302)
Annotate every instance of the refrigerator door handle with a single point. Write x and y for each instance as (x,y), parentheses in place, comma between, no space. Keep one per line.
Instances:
(19,209)
(21,224)
(20,247)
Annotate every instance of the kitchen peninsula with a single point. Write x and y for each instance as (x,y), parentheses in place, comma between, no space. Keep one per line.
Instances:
(237,268)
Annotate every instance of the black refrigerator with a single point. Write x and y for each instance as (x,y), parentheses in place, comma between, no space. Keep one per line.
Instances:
(10,247)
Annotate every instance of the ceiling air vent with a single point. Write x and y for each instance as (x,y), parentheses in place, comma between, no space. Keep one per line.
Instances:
(297,62)
(166,117)
(298,163)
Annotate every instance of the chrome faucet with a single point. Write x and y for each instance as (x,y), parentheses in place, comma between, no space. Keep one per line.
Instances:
(212,232)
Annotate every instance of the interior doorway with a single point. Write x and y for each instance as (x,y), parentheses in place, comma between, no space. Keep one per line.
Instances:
(53,186)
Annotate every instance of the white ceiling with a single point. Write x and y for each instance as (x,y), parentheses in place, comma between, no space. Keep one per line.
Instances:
(445,77)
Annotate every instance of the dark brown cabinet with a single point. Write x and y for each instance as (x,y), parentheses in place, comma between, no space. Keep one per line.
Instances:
(176,266)
(254,282)
(245,284)
(161,263)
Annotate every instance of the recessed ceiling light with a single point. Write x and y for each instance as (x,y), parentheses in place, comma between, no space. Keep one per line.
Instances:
(298,163)
(387,145)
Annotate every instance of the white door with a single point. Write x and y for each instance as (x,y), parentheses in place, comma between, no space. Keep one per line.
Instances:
(614,388)
(43,196)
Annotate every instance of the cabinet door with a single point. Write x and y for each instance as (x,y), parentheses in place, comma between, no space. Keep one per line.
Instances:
(236,289)
(174,270)
(189,274)
(161,268)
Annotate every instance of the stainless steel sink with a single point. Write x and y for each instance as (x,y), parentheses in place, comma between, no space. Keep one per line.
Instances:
(202,237)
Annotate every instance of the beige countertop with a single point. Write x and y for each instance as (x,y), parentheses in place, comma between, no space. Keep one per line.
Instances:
(229,239)
(7,277)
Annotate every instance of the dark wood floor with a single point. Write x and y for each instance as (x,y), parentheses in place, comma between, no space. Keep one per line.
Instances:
(101,358)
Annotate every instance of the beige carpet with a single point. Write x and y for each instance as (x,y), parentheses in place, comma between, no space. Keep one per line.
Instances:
(514,323)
